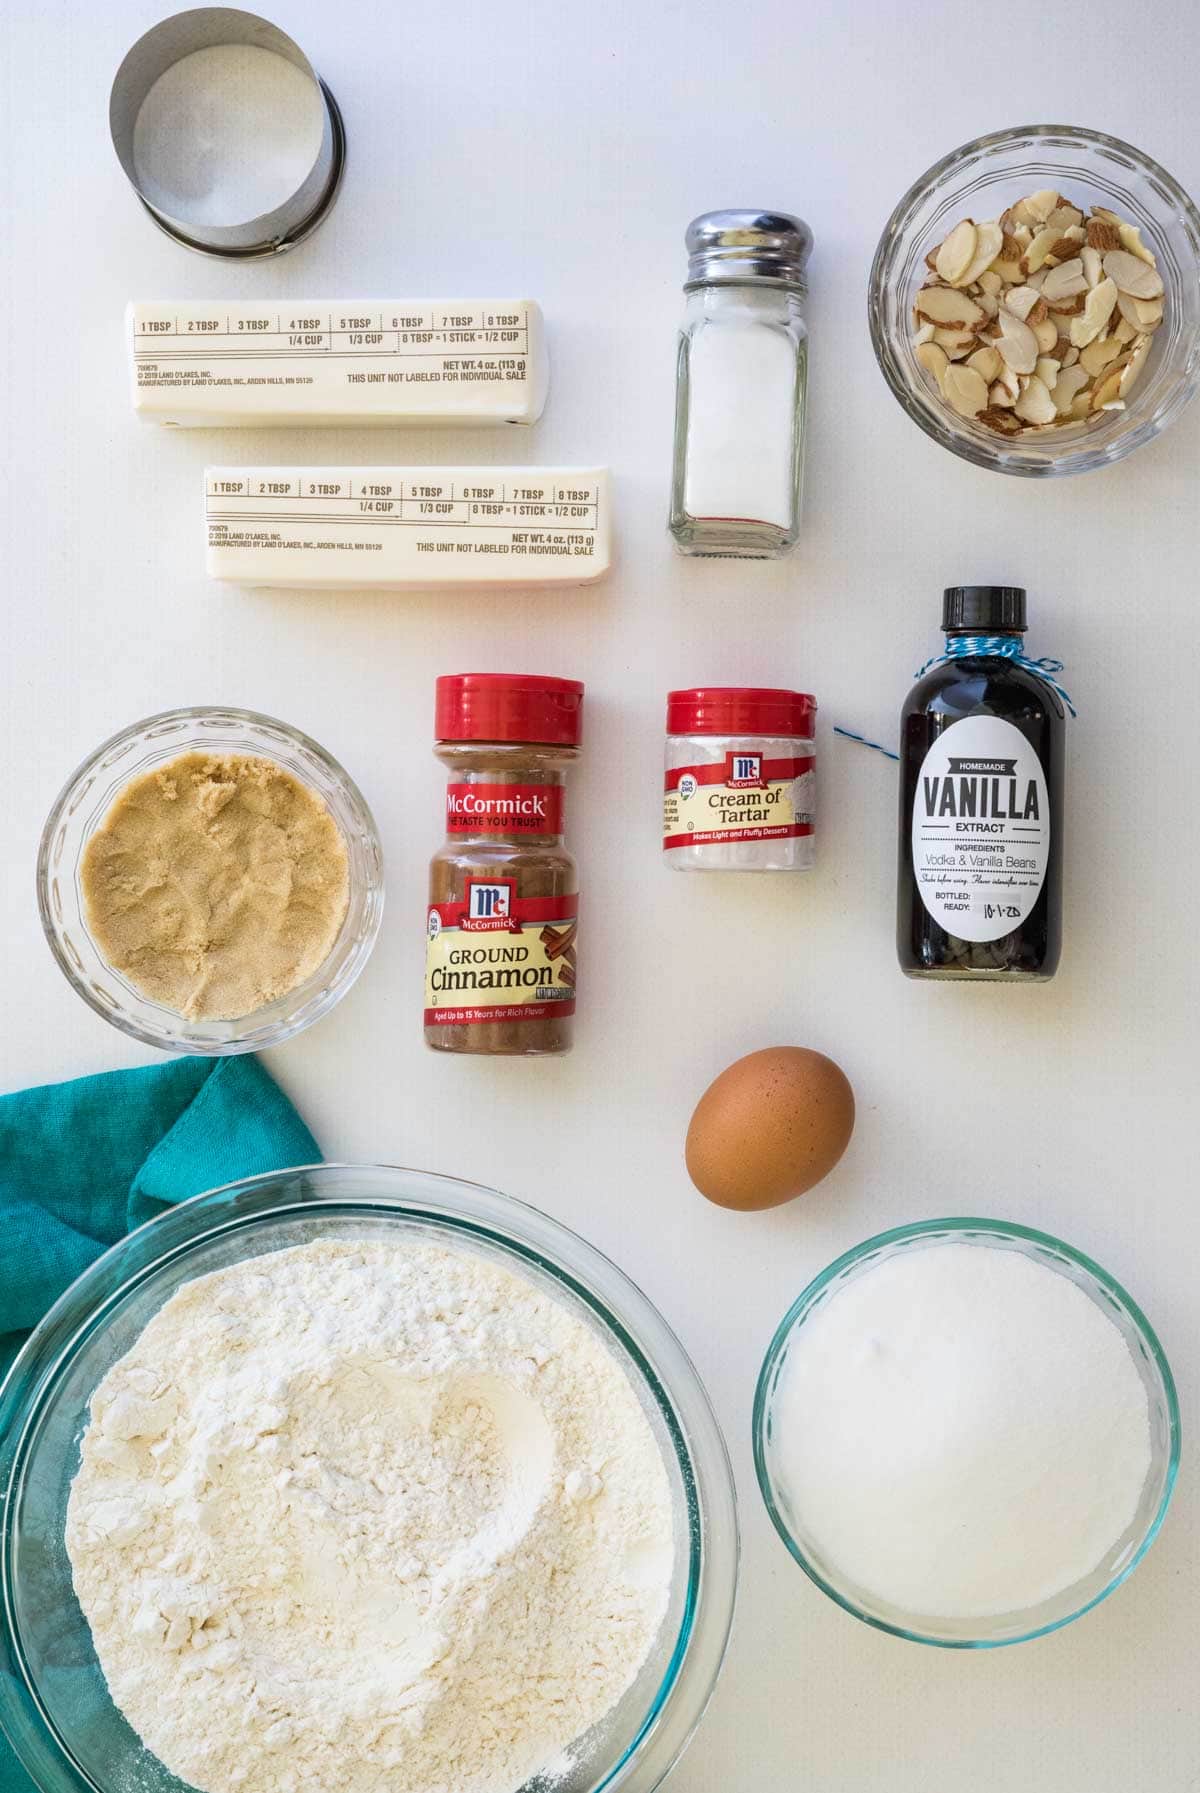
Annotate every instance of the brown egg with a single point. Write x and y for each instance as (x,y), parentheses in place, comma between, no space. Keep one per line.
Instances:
(770,1127)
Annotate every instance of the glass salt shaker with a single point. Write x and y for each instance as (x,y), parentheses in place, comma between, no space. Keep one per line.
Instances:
(740,386)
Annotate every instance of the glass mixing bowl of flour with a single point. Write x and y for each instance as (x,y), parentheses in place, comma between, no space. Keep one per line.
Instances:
(54,1701)
(914,1399)
(80,811)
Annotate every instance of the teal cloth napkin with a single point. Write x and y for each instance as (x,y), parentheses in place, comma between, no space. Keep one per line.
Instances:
(83,1163)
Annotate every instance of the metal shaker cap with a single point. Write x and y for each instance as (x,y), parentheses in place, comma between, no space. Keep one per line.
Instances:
(744,246)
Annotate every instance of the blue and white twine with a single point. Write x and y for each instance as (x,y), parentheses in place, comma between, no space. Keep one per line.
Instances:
(863,742)
(962,647)
(1000,647)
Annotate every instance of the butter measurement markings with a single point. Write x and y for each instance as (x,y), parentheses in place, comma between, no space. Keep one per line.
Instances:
(573,505)
(255,339)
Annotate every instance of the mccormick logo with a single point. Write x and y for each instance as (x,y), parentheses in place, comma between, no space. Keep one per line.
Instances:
(490,907)
(469,804)
(745,769)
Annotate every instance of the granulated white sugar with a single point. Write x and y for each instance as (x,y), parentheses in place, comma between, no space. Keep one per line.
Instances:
(961,1431)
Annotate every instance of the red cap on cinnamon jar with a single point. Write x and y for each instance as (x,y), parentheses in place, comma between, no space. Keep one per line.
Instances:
(509,706)
(740,710)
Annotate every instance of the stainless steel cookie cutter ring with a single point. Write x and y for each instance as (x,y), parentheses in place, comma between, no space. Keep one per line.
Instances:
(205,28)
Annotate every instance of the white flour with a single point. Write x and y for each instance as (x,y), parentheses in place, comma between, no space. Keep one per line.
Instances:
(355,1517)
(962,1431)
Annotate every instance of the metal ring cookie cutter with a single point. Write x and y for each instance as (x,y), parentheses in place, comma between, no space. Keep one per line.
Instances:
(177,203)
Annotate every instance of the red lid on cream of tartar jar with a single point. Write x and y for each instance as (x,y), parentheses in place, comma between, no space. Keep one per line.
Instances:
(509,706)
(740,710)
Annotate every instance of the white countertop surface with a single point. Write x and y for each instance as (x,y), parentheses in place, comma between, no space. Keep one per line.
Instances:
(558,149)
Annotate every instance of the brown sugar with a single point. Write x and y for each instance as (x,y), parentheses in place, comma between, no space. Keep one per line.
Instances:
(216,884)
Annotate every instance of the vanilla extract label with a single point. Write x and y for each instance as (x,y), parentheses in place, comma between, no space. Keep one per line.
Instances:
(981,829)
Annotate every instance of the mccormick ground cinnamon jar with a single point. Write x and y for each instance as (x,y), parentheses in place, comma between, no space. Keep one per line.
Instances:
(501,959)
(740,792)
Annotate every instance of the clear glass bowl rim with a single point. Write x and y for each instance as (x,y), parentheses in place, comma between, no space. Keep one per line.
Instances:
(518,1228)
(945,433)
(900,1235)
(180,1040)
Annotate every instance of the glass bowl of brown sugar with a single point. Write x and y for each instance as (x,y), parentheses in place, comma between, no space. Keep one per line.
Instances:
(231,939)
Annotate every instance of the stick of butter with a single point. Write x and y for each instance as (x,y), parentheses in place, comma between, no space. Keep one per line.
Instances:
(407,528)
(225,364)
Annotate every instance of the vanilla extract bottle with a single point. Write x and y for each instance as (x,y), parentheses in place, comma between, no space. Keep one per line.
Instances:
(982,741)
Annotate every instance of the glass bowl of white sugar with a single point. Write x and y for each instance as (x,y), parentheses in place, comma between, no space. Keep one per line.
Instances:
(966,1433)
(428,1462)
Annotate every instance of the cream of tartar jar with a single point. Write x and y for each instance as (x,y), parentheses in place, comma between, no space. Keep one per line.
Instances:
(740,792)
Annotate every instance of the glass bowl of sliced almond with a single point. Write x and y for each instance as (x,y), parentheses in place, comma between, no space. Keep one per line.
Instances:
(1035,300)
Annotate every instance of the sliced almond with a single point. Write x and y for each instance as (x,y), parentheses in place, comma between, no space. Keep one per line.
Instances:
(1134,365)
(1065,217)
(1098,307)
(1035,404)
(1108,390)
(942,305)
(1064,281)
(1020,301)
(965,391)
(1102,235)
(956,253)
(1017,343)
(986,362)
(1000,419)
(1006,389)
(1038,250)
(1097,355)
(1067,387)
(1039,205)
(956,343)
(1140,314)
(1019,325)
(1131,239)
(989,239)
(1132,275)
(935,361)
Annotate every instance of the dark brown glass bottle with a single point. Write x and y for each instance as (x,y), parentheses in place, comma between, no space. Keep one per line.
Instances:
(982,742)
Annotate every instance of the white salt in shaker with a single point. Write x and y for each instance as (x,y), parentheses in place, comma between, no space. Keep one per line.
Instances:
(740,391)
